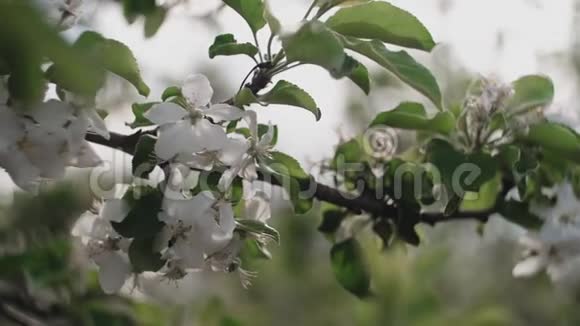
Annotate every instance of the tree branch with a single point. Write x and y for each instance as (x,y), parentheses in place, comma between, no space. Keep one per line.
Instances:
(356,203)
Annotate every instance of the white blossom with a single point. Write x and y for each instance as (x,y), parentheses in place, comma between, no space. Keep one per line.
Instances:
(41,141)
(107,249)
(196,227)
(189,130)
(258,152)
(556,247)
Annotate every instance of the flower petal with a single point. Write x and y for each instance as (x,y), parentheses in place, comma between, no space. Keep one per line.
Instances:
(175,139)
(113,271)
(233,151)
(23,173)
(251,119)
(165,113)
(226,220)
(52,115)
(258,207)
(209,136)
(529,266)
(224,112)
(86,157)
(115,210)
(197,89)
(190,252)
(97,124)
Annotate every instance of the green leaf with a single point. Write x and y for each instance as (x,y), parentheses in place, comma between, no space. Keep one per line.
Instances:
(484,199)
(144,159)
(119,59)
(143,257)
(287,165)
(461,172)
(348,152)
(401,64)
(139,110)
(350,268)
(171,92)
(133,8)
(109,54)
(360,76)
(410,115)
(226,44)
(245,97)
(531,92)
(315,44)
(519,213)
(142,221)
(26,41)
(289,94)
(557,138)
(331,221)
(251,10)
(258,228)
(154,20)
(382,21)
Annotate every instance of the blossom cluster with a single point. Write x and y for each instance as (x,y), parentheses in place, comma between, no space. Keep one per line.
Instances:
(39,140)
(488,118)
(200,230)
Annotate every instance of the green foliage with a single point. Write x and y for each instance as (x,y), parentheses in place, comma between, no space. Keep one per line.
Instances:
(460,172)
(139,110)
(171,92)
(401,64)
(26,41)
(143,257)
(409,115)
(360,75)
(144,159)
(531,92)
(331,221)
(142,220)
(350,268)
(109,54)
(45,264)
(287,165)
(556,138)
(519,213)
(382,21)
(251,10)
(245,97)
(289,94)
(315,44)
(154,20)
(227,45)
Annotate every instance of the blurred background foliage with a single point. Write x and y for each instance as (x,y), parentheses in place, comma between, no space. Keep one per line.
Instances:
(461,274)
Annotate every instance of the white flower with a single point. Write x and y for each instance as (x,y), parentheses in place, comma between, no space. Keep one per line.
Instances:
(228,260)
(556,248)
(42,141)
(257,204)
(107,249)
(231,153)
(196,227)
(258,151)
(62,14)
(188,131)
